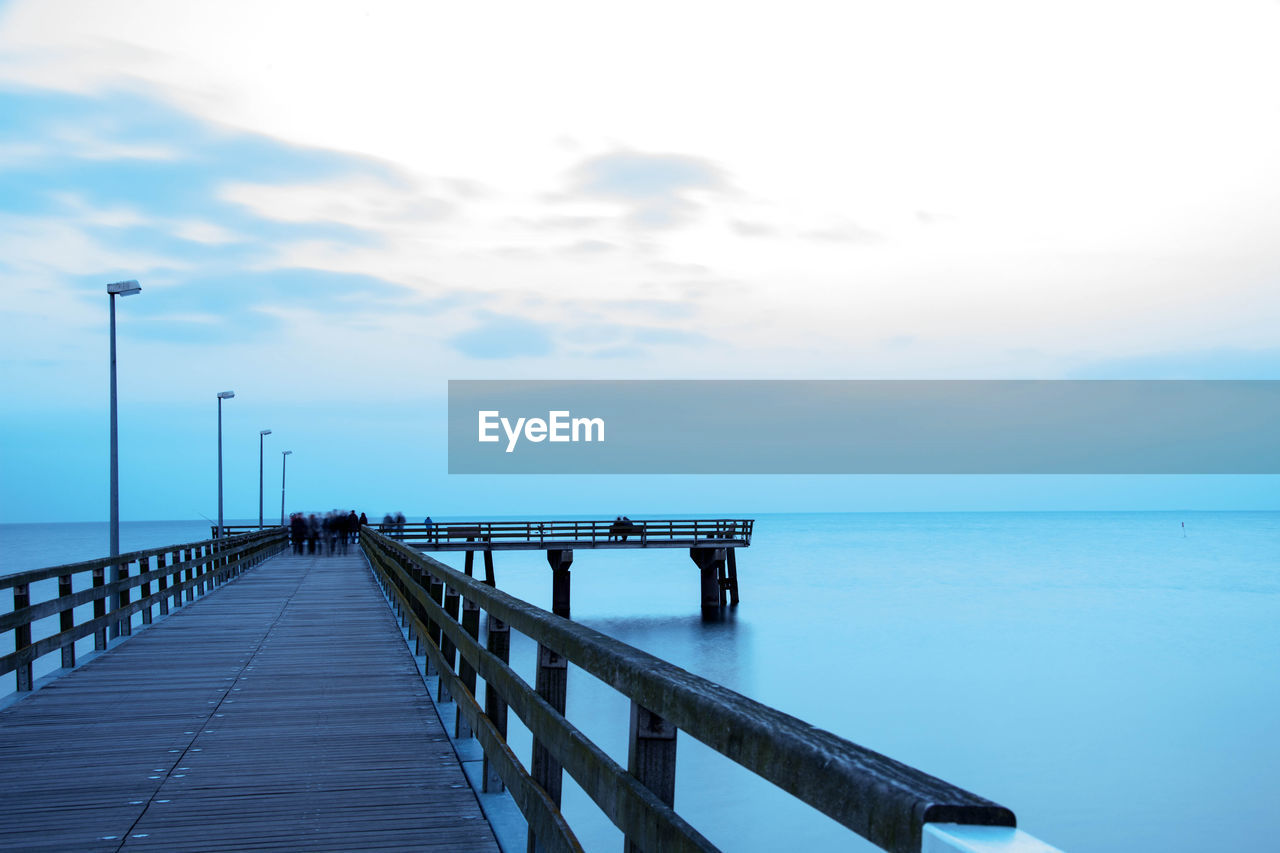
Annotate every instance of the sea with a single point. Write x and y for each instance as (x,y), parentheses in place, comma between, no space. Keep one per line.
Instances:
(1112,677)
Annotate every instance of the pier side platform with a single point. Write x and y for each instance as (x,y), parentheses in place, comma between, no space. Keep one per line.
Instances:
(282,711)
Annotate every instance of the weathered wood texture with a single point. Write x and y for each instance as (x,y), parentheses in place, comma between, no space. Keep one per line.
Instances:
(883,800)
(282,712)
(114,606)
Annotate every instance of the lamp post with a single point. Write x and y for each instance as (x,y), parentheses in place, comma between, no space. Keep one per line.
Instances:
(262,433)
(284,458)
(222,395)
(119,288)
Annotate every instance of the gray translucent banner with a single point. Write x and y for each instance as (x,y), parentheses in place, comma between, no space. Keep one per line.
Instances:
(864,427)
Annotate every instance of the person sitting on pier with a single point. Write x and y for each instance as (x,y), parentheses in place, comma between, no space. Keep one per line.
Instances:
(621,528)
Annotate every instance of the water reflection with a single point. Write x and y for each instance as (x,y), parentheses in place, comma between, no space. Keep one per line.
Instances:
(716,648)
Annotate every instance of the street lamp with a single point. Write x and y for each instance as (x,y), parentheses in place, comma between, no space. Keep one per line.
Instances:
(262,433)
(284,458)
(119,288)
(222,395)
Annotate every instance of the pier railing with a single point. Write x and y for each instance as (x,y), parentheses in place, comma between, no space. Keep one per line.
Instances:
(636,533)
(163,577)
(883,800)
(643,532)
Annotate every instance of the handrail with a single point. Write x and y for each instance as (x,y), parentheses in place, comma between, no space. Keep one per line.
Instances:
(180,571)
(883,800)
(737,530)
(33,575)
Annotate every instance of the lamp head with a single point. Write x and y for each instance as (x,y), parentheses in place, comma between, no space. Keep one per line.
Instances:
(124,288)
(264,432)
(226,395)
(285,452)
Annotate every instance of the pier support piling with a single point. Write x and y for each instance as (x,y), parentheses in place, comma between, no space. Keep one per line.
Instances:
(733,577)
(711,565)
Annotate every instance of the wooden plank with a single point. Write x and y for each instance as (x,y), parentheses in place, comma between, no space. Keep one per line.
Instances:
(283,711)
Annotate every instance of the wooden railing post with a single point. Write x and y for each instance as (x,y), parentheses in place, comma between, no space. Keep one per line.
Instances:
(446,645)
(651,756)
(208,560)
(498,642)
(123,624)
(552,682)
(466,672)
(100,607)
(163,584)
(22,635)
(435,589)
(419,612)
(66,621)
(144,566)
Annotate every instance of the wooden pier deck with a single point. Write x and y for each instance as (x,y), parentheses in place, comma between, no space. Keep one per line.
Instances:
(283,711)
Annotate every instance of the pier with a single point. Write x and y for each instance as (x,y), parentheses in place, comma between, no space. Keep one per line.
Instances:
(242,697)
(712,544)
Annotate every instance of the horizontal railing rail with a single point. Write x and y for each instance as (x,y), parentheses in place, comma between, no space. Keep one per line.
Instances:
(736,530)
(239,529)
(178,572)
(883,800)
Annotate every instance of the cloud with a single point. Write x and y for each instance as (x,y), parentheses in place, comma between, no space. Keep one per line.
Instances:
(621,334)
(231,296)
(752,229)
(590,247)
(359,201)
(203,329)
(658,190)
(498,336)
(559,223)
(843,234)
(204,232)
(41,246)
(679,268)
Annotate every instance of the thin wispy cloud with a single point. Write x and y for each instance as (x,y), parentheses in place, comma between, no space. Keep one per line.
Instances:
(657,190)
(499,337)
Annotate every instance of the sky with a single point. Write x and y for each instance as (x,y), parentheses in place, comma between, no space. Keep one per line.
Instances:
(334,208)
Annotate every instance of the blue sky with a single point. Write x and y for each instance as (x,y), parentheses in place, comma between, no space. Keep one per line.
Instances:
(334,210)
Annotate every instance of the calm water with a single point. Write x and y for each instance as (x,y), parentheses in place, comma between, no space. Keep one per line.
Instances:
(1113,681)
